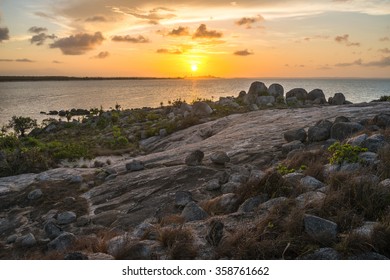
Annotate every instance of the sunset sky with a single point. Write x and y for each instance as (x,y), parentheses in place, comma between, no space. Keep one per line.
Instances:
(269,38)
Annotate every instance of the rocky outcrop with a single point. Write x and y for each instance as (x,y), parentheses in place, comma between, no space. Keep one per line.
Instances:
(299,93)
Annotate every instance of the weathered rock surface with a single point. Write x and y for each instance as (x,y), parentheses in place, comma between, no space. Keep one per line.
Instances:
(343,130)
(295,134)
(320,229)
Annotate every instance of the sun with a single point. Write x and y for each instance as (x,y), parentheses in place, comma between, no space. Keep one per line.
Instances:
(194,67)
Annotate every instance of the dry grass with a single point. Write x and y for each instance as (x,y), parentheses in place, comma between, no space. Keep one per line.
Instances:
(354,244)
(94,243)
(179,241)
(384,156)
(352,199)
(171,220)
(280,235)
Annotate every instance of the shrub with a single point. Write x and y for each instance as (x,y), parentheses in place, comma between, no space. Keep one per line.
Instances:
(384,98)
(283,170)
(22,124)
(344,153)
(179,241)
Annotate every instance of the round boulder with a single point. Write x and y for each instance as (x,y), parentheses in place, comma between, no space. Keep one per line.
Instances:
(219,157)
(295,134)
(299,93)
(258,88)
(194,158)
(201,109)
(276,90)
(343,130)
(316,94)
(337,99)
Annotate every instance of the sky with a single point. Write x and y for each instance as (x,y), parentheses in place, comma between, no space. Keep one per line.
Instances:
(263,38)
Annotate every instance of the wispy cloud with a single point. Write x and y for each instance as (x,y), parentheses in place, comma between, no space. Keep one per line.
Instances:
(40,38)
(57,62)
(6,60)
(24,60)
(78,44)
(96,19)
(4,34)
(249,21)
(203,33)
(344,39)
(153,16)
(384,39)
(383,62)
(385,50)
(167,51)
(102,55)
(243,53)
(130,39)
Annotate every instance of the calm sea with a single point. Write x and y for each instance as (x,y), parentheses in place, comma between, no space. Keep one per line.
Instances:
(30,98)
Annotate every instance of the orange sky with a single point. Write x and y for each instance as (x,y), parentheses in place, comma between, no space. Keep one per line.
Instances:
(334,38)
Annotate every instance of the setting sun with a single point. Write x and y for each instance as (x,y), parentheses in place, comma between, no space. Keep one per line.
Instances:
(194,68)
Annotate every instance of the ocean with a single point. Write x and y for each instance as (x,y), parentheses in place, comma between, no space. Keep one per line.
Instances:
(30,98)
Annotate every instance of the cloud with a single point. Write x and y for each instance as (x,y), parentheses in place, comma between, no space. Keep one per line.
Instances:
(4,34)
(384,62)
(153,16)
(345,40)
(37,30)
(96,19)
(6,60)
(384,39)
(249,21)
(102,55)
(243,53)
(167,51)
(203,33)
(130,39)
(24,60)
(40,38)
(78,44)
(57,62)
(356,62)
(44,15)
(385,50)
(180,31)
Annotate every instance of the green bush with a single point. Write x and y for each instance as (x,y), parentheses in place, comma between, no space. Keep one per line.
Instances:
(384,98)
(344,153)
(9,142)
(22,124)
(283,170)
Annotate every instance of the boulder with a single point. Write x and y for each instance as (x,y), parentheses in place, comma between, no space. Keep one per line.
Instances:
(368,158)
(320,131)
(265,100)
(374,142)
(366,230)
(269,205)
(299,93)
(27,240)
(295,134)
(343,130)
(213,185)
(182,198)
(258,88)
(66,217)
(224,204)
(201,109)
(276,90)
(230,187)
(385,184)
(135,165)
(35,194)
(310,199)
(63,242)
(341,119)
(311,183)
(294,145)
(192,212)
(337,99)
(52,230)
(219,157)
(320,229)
(252,203)
(293,178)
(194,158)
(256,176)
(316,94)
(357,140)
(75,256)
(382,120)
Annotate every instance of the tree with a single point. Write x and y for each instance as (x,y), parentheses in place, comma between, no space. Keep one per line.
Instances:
(21,124)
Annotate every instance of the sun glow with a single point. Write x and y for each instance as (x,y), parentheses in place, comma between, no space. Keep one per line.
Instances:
(194,68)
